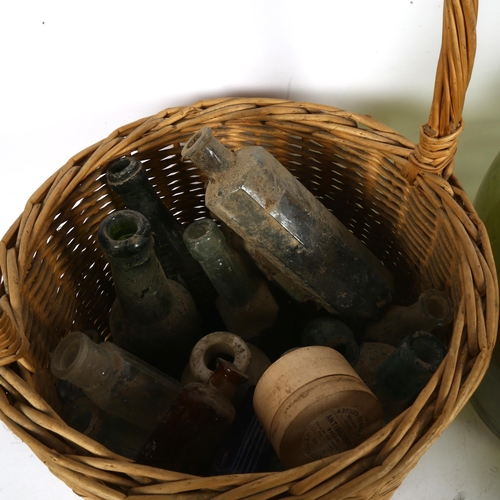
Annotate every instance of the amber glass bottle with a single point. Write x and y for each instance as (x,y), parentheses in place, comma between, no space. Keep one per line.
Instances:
(152,317)
(191,432)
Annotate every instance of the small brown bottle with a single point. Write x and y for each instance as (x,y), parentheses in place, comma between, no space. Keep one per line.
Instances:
(196,425)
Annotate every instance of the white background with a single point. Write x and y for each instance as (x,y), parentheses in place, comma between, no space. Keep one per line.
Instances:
(72,72)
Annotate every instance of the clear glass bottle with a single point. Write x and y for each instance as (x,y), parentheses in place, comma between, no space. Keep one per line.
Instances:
(245,303)
(432,309)
(127,177)
(486,399)
(333,333)
(290,228)
(114,379)
(152,317)
(190,434)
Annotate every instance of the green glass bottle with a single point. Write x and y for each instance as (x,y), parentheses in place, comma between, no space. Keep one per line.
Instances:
(245,304)
(128,178)
(486,399)
(152,317)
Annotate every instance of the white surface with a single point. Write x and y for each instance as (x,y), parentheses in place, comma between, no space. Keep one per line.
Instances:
(72,72)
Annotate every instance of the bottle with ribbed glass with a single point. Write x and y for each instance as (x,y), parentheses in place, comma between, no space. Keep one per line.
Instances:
(290,229)
(115,380)
(189,435)
(152,317)
(432,309)
(245,303)
(486,399)
(128,178)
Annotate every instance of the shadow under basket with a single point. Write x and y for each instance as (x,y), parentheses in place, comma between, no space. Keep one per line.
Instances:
(400,199)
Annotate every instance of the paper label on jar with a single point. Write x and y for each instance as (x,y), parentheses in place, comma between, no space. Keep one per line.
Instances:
(337,429)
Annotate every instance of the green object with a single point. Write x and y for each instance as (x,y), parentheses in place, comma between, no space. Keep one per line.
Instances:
(153,317)
(486,399)
(114,380)
(128,178)
(245,304)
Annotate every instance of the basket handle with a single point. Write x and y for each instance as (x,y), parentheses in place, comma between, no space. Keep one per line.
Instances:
(439,136)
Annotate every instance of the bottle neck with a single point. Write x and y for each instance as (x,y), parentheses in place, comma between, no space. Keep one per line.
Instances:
(226,378)
(140,283)
(208,246)
(127,177)
(82,362)
(208,153)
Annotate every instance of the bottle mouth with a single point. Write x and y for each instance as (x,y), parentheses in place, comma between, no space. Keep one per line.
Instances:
(68,355)
(122,172)
(203,239)
(428,350)
(438,306)
(124,233)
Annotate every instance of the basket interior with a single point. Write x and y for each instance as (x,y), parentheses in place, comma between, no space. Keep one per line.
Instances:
(353,168)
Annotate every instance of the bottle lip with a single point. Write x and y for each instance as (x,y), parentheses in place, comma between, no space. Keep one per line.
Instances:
(203,239)
(425,349)
(124,234)
(69,357)
(437,306)
(123,174)
(197,142)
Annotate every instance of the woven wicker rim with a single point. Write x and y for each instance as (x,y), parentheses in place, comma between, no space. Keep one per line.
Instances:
(435,214)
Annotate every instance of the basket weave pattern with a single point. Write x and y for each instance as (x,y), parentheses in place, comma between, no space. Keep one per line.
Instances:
(400,199)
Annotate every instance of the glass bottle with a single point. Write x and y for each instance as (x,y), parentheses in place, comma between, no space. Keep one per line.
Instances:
(432,309)
(127,177)
(486,399)
(290,228)
(114,379)
(152,317)
(198,422)
(80,413)
(407,370)
(245,303)
(333,333)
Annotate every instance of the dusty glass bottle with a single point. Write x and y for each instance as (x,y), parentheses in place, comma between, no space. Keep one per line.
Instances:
(432,309)
(152,317)
(486,399)
(245,303)
(333,333)
(407,370)
(118,435)
(114,379)
(290,228)
(189,435)
(127,177)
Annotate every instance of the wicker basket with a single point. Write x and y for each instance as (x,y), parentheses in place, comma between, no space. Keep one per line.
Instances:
(401,200)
